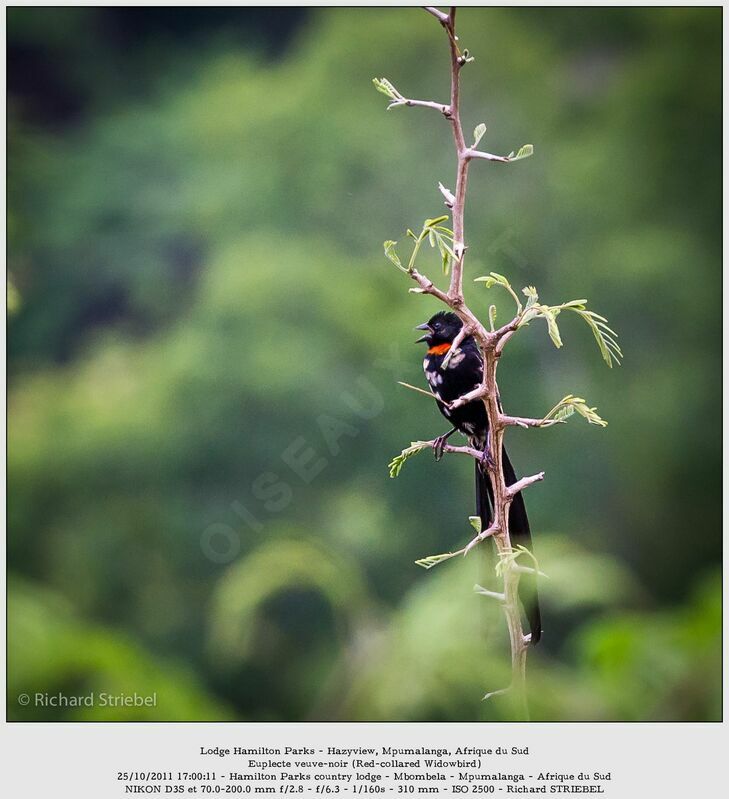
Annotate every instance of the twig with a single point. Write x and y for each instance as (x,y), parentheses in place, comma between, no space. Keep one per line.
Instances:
(470,153)
(444,109)
(487,533)
(457,341)
(520,485)
(479,589)
(439,15)
(448,195)
(419,390)
(427,286)
(524,421)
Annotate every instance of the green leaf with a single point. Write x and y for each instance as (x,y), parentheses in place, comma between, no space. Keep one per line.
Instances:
(532,297)
(527,316)
(551,318)
(396,464)
(445,253)
(569,405)
(524,152)
(438,235)
(492,316)
(434,560)
(549,315)
(478,134)
(384,86)
(604,335)
(564,412)
(446,231)
(475,523)
(493,279)
(590,414)
(390,253)
(433,222)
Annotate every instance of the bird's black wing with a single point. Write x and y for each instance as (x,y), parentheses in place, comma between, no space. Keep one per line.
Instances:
(461,375)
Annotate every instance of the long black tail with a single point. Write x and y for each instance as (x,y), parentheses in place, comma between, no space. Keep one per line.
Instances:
(520,535)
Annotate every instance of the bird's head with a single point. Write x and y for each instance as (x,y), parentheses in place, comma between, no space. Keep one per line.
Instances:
(440,329)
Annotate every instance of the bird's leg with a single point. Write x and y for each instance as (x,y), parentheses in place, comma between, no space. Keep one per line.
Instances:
(439,443)
(486,455)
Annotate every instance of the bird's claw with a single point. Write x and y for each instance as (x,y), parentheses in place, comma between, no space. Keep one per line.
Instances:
(487,459)
(439,446)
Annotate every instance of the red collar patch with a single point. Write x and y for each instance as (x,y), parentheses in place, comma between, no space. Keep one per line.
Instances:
(439,349)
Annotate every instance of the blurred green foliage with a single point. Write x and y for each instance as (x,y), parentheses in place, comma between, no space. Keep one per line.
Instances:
(199,298)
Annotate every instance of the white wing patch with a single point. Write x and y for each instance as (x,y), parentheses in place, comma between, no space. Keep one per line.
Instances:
(456,358)
(434,377)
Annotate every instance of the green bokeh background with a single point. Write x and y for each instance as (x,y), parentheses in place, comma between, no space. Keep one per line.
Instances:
(197,201)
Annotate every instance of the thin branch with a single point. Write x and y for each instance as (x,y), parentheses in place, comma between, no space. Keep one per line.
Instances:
(506,330)
(457,341)
(444,109)
(478,393)
(479,589)
(500,692)
(504,336)
(447,194)
(525,421)
(529,570)
(519,485)
(471,153)
(434,560)
(487,533)
(474,453)
(419,390)
(439,15)
(427,286)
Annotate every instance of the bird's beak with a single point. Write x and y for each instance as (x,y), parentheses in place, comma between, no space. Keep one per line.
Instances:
(424,326)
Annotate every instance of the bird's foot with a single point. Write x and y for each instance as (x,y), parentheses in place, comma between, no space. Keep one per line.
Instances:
(487,459)
(439,446)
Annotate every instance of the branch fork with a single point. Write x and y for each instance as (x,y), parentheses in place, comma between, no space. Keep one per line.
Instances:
(525,482)
(489,531)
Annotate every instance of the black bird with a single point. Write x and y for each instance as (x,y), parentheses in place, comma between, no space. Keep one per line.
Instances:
(463,373)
